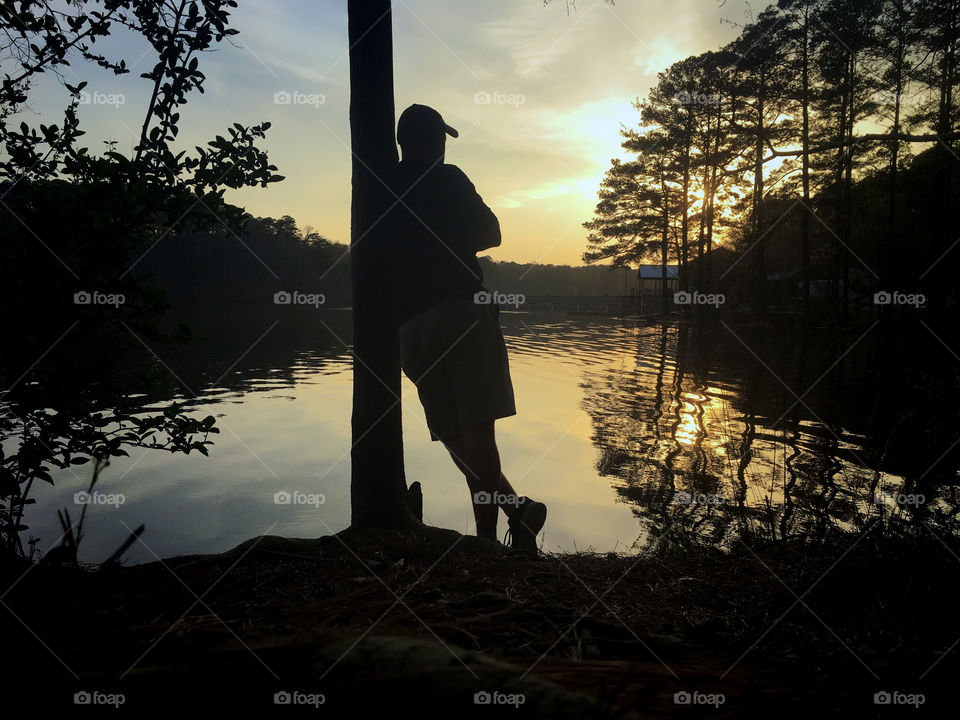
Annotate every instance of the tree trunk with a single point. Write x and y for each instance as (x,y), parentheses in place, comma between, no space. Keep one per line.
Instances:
(944,230)
(684,218)
(846,223)
(805,143)
(760,257)
(664,244)
(701,240)
(713,194)
(377,484)
(890,237)
(840,199)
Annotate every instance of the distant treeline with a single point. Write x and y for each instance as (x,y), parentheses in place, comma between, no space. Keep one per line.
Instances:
(533,279)
(275,256)
(272,256)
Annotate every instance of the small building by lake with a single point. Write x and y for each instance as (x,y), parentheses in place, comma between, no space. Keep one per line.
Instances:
(650,277)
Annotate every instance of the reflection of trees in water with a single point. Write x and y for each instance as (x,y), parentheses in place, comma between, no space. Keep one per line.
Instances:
(656,442)
(243,348)
(689,418)
(744,454)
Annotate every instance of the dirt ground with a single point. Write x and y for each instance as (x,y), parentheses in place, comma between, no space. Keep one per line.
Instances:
(428,619)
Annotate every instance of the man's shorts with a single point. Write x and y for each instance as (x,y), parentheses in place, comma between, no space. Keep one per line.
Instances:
(455,354)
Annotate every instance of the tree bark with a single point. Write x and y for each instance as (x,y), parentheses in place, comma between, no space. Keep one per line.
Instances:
(805,148)
(664,243)
(684,281)
(378,488)
(760,256)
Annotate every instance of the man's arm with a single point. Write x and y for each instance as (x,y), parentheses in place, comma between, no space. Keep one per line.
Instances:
(489,235)
(480,226)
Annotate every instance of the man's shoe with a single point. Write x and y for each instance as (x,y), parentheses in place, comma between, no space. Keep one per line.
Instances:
(524,524)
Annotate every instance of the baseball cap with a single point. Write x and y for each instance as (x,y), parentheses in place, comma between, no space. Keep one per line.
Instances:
(419,121)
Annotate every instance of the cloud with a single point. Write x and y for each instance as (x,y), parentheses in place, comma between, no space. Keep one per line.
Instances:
(657,55)
(544,191)
(581,191)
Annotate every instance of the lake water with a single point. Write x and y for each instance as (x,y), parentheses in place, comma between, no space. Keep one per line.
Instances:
(633,434)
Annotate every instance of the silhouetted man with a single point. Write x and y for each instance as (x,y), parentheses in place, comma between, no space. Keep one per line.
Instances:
(451,346)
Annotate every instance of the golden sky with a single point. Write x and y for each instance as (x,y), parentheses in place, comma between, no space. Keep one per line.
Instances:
(537,93)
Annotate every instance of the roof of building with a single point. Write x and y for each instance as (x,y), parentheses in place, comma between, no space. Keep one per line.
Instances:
(656,271)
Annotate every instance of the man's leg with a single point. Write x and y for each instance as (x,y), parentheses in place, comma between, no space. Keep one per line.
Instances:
(476,455)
